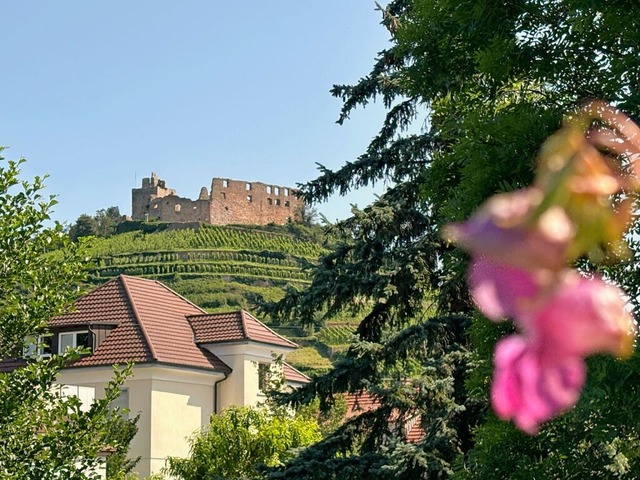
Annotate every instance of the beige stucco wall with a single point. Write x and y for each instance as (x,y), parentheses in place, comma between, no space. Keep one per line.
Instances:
(241,388)
(180,408)
(173,403)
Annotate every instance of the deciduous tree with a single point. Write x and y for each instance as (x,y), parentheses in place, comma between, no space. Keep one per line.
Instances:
(42,435)
(239,440)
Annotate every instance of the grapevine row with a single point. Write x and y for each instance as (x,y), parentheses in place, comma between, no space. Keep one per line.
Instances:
(205,238)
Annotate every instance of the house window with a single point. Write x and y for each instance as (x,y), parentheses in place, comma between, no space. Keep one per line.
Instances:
(269,201)
(38,347)
(286,192)
(73,340)
(177,208)
(249,199)
(264,374)
(286,203)
(268,188)
(225,183)
(121,403)
(276,191)
(277,201)
(247,186)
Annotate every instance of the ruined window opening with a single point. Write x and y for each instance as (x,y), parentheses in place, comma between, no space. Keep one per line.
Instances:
(249,199)
(225,183)
(269,201)
(277,191)
(277,201)
(247,186)
(286,203)
(177,208)
(286,192)
(268,188)
(224,195)
(155,206)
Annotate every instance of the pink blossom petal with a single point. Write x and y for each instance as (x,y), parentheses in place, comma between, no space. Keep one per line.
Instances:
(506,391)
(500,290)
(528,388)
(504,230)
(582,317)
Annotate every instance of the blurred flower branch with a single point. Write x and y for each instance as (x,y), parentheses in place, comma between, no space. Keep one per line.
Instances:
(523,244)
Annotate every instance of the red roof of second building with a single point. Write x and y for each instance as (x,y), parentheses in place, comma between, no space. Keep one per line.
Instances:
(234,327)
(362,402)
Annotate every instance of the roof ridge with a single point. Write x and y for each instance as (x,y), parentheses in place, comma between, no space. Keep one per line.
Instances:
(243,322)
(272,331)
(224,312)
(137,317)
(296,370)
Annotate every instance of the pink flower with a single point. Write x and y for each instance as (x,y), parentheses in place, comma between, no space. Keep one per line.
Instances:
(521,244)
(500,290)
(530,388)
(580,316)
(540,373)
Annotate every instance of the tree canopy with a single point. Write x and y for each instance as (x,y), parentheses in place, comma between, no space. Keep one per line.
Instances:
(472,88)
(43,434)
(103,224)
(239,440)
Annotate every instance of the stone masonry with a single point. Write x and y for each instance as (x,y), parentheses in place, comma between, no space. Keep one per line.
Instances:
(230,202)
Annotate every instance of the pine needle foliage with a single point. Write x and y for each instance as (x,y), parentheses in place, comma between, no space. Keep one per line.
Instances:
(472,88)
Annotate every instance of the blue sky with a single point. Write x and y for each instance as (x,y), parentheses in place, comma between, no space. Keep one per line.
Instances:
(99,94)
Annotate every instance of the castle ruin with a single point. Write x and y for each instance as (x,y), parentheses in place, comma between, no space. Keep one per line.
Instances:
(229,202)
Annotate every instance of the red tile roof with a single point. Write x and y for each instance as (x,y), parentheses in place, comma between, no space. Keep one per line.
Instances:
(110,306)
(238,326)
(151,325)
(293,375)
(413,430)
(361,402)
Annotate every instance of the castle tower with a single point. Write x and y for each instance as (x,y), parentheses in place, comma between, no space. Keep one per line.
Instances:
(142,205)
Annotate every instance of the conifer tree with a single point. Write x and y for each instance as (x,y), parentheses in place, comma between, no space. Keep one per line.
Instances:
(486,81)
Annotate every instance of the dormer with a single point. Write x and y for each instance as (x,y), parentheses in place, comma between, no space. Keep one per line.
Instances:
(247,345)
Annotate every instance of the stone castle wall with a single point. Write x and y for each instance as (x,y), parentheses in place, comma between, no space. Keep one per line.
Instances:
(230,201)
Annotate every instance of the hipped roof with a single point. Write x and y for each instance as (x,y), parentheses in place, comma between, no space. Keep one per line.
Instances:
(231,327)
(151,325)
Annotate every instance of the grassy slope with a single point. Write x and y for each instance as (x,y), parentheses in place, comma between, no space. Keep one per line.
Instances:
(224,268)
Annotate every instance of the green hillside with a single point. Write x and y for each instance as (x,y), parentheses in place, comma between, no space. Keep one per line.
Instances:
(216,267)
(223,268)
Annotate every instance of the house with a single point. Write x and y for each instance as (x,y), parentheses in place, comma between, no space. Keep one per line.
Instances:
(188,364)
